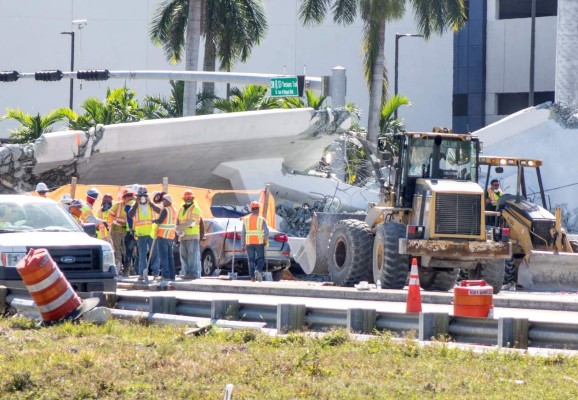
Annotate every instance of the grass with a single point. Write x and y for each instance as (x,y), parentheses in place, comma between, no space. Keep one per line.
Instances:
(132,360)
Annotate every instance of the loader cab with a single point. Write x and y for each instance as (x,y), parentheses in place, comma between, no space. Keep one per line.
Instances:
(434,156)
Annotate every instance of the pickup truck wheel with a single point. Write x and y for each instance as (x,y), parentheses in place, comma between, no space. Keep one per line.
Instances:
(208,263)
(390,267)
(491,271)
(349,252)
(438,279)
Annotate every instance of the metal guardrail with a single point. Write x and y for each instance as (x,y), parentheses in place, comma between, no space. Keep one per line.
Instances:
(503,332)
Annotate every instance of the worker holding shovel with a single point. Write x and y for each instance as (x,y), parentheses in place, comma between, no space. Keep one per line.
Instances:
(254,238)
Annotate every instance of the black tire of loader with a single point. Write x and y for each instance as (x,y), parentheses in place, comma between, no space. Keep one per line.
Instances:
(491,271)
(394,268)
(349,253)
(438,279)
(511,271)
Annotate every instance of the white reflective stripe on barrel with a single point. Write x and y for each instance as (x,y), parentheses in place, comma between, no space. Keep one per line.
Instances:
(65,297)
(53,277)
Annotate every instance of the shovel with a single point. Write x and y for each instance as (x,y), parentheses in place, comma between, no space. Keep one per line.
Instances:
(217,270)
(233,274)
(267,276)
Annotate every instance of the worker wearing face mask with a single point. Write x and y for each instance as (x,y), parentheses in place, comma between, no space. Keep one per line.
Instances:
(142,213)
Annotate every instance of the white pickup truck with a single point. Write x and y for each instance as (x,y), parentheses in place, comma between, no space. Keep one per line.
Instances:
(30,222)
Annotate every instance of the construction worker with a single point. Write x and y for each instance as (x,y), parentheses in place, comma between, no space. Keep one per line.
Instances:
(254,237)
(103,231)
(65,200)
(189,232)
(42,189)
(75,210)
(117,221)
(155,260)
(493,194)
(142,213)
(165,235)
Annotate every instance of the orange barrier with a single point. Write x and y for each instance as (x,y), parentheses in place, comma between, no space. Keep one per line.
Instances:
(414,294)
(50,290)
(473,299)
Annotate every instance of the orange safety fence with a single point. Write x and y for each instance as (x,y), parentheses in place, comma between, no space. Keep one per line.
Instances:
(203,197)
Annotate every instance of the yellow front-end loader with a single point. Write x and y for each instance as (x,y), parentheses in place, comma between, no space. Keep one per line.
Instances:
(543,257)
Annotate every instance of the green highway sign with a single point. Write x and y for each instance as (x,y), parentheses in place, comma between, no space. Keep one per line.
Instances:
(284,87)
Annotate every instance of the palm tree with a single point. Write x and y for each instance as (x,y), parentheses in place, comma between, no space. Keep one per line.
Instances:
(250,98)
(313,101)
(32,126)
(431,17)
(231,29)
(387,122)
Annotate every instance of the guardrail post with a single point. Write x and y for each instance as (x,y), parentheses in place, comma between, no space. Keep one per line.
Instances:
(162,304)
(290,317)
(513,332)
(360,320)
(225,309)
(3,293)
(110,299)
(432,325)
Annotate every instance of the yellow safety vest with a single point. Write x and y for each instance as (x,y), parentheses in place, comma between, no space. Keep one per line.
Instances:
(254,233)
(166,229)
(494,196)
(143,224)
(87,212)
(102,232)
(193,212)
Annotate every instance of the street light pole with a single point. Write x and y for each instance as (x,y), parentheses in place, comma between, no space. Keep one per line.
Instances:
(395,72)
(71,33)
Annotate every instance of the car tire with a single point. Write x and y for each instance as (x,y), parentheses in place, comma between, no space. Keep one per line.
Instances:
(208,263)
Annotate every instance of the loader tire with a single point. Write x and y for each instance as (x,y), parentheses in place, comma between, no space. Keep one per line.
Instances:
(389,267)
(349,253)
(491,271)
(511,272)
(438,279)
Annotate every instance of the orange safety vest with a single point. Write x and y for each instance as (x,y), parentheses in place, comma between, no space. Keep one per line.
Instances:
(118,214)
(166,229)
(102,232)
(143,224)
(254,233)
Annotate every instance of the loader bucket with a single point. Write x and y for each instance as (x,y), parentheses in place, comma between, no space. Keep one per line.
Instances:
(312,257)
(546,270)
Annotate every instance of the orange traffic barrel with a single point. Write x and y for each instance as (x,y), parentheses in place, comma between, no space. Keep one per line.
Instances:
(48,287)
(473,298)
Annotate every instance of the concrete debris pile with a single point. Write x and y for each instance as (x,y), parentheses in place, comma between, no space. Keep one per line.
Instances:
(16,164)
(565,115)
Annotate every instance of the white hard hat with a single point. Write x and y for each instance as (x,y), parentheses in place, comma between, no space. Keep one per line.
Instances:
(168,198)
(66,198)
(41,187)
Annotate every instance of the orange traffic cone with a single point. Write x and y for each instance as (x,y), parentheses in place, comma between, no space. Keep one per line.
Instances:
(413,295)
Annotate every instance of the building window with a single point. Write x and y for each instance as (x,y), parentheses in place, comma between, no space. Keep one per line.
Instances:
(509,103)
(509,9)
(460,105)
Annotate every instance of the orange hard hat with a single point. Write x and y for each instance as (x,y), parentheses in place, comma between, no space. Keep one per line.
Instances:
(188,194)
(127,192)
(254,204)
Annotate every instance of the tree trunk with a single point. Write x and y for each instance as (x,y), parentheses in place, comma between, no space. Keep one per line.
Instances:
(209,62)
(567,53)
(376,87)
(192,56)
